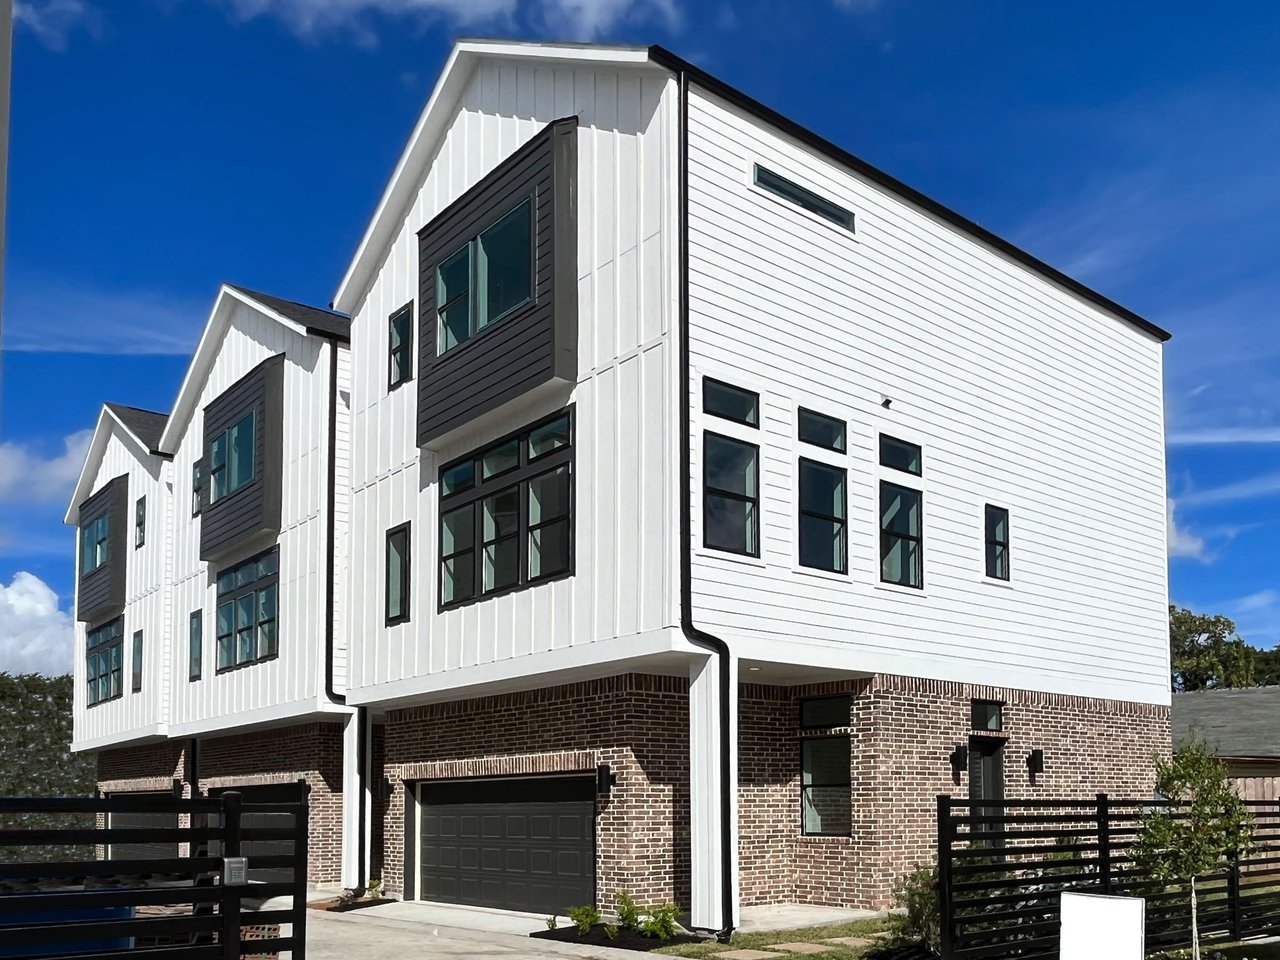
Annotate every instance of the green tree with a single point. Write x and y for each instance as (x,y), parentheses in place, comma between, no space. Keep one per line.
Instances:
(1205,652)
(1266,667)
(1202,825)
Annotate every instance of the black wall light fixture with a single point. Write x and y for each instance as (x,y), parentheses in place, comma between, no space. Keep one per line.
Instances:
(959,758)
(1035,762)
(605,779)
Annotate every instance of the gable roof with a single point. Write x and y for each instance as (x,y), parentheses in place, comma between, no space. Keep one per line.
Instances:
(145,425)
(325,323)
(433,122)
(137,427)
(1235,723)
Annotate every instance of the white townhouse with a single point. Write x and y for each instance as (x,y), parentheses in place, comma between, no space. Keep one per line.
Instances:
(705,501)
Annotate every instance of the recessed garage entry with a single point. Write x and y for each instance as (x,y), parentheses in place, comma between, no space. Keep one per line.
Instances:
(525,844)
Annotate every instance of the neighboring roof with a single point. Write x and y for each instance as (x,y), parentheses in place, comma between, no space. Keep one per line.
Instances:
(433,121)
(146,425)
(325,323)
(1235,723)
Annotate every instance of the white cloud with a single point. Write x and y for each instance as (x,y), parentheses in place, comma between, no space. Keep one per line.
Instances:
(1223,435)
(1266,485)
(53,21)
(35,636)
(1182,542)
(27,476)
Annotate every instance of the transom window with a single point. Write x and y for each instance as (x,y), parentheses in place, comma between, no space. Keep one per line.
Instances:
(730,402)
(195,645)
(986,715)
(104,662)
(821,430)
(486,280)
(506,514)
(400,365)
(997,538)
(140,522)
(95,547)
(900,455)
(825,786)
(397,586)
(731,495)
(231,458)
(820,713)
(823,516)
(246,615)
(901,535)
(780,186)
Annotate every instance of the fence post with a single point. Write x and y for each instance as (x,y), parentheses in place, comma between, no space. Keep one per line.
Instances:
(946,834)
(301,835)
(1104,843)
(1234,901)
(230,894)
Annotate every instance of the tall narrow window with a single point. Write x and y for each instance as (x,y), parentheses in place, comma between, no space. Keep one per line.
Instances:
(95,545)
(197,487)
(997,536)
(730,496)
(195,645)
(140,522)
(137,661)
(901,535)
(400,365)
(730,403)
(231,458)
(823,513)
(825,786)
(397,593)
(246,616)
(104,662)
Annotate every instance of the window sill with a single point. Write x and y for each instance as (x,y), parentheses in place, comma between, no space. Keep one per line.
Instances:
(994,582)
(901,590)
(817,838)
(820,574)
(397,621)
(710,553)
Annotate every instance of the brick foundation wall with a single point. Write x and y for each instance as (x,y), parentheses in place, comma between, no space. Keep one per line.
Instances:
(637,724)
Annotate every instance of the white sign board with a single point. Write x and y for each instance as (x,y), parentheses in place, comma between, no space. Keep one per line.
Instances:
(1096,927)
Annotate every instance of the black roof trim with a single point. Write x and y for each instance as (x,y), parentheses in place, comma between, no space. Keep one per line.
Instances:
(318,321)
(665,58)
(147,425)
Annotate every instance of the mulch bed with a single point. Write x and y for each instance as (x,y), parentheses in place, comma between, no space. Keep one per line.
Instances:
(342,906)
(625,940)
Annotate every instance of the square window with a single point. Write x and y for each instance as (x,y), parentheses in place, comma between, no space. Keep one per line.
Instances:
(548,438)
(987,715)
(498,460)
(730,403)
(900,455)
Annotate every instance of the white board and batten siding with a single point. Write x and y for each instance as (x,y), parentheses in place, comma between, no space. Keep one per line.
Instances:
(293,683)
(625,514)
(1021,394)
(140,714)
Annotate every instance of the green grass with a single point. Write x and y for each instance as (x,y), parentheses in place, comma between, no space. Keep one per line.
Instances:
(758,941)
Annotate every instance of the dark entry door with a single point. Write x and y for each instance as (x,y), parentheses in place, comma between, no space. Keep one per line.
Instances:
(524,845)
(986,779)
(157,820)
(249,819)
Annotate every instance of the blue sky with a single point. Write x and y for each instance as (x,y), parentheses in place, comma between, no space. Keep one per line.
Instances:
(160,147)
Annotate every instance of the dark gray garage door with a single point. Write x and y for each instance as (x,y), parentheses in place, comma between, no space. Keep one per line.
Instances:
(268,793)
(513,844)
(150,821)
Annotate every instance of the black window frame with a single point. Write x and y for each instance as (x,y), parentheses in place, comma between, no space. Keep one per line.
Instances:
(804,413)
(261,583)
(806,787)
(844,698)
(135,665)
(102,641)
(752,421)
(981,710)
(520,477)
(993,545)
(886,438)
(195,645)
(404,532)
(197,487)
(213,471)
(140,522)
(887,537)
(708,492)
(804,198)
(404,349)
(801,513)
(103,519)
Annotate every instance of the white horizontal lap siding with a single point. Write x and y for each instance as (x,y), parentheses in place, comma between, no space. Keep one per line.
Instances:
(296,675)
(1021,394)
(134,713)
(624,513)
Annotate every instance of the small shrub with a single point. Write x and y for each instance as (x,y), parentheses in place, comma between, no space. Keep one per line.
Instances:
(917,893)
(551,922)
(611,931)
(628,912)
(660,922)
(584,918)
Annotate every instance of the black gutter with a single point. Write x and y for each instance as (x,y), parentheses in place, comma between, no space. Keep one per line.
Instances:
(728,836)
(678,65)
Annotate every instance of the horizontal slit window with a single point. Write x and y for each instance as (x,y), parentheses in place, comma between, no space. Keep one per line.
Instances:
(803,197)
(730,402)
(821,430)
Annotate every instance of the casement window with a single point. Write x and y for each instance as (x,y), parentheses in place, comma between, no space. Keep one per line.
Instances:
(730,403)
(486,280)
(140,522)
(506,514)
(195,644)
(397,575)
(400,333)
(825,789)
(900,455)
(821,430)
(730,495)
(901,535)
(95,546)
(197,487)
(824,510)
(231,458)
(997,542)
(136,666)
(802,197)
(104,662)
(986,715)
(246,614)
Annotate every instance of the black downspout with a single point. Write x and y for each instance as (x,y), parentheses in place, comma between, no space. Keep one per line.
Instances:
(690,630)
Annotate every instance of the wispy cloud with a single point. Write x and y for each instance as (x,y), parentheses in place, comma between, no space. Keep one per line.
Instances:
(53,21)
(1224,435)
(1182,542)
(29,476)
(1257,617)
(1266,485)
(35,636)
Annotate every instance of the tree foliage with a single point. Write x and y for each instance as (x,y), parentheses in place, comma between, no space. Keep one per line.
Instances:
(1266,667)
(1205,653)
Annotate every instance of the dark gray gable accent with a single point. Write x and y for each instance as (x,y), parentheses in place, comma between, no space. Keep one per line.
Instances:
(101,594)
(325,323)
(254,509)
(537,344)
(146,425)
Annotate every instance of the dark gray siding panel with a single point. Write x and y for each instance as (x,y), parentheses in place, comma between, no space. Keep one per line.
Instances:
(101,593)
(254,509)
(537,344)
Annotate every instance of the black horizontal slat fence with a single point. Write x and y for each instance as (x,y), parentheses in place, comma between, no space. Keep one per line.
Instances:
(173,904)
(1003,867)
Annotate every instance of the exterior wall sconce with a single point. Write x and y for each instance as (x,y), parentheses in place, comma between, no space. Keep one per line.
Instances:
(605,779)
(1035,762)
(959,758)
